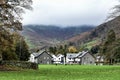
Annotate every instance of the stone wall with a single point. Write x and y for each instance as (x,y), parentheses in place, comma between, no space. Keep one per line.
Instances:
(21,64)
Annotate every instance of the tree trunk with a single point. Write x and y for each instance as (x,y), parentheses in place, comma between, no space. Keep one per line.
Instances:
(0,59)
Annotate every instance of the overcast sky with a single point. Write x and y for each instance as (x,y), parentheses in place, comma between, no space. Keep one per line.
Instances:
(69,12)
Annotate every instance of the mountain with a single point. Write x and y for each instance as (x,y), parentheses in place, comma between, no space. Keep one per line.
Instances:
(44,36)
(99,33)
(48,35)
(79,38)
(102,30)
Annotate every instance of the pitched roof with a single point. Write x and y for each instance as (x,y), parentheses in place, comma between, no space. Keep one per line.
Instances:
(59,55)
(39,53)
(35,54)
(53,56)
(82,54)
(71,55)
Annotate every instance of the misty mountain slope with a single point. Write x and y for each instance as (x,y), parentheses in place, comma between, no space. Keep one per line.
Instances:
(79,38)
(99,32)
(102,30)
(42,35)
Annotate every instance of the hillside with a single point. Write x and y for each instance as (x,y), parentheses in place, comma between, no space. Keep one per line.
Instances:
(44,36)
(103,29)
(99,32)
(79,38)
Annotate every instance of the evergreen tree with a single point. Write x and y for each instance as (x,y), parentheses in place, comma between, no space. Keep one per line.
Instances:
(110,48)
(53,50)
(22,50)
(94,49)
(65,50)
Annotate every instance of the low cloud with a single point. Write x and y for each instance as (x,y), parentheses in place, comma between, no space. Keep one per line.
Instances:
(68,12)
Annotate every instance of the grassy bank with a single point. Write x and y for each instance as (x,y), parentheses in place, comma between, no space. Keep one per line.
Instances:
(62,72)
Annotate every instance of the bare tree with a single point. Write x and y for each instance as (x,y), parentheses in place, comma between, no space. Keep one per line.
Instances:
(115,13)
(10,13)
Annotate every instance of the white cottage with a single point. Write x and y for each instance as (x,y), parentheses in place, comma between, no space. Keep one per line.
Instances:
(99,60)
(59,59)
(70,58)
(32,57)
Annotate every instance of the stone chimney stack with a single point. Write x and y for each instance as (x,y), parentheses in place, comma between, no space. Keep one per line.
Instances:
(2,1)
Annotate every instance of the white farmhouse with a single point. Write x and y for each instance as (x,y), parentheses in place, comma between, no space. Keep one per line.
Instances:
(59,59)
(99,60)
(32,57)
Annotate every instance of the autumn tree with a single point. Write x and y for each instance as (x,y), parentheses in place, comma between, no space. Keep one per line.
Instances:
(7,46)
(72,49)
(10,21)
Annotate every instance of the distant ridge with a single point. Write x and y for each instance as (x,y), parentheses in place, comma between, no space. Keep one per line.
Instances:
(48,35)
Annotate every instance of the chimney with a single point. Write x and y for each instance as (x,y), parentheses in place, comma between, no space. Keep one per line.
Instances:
(2,1)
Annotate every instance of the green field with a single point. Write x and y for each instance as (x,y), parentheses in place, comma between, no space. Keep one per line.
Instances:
(62,72)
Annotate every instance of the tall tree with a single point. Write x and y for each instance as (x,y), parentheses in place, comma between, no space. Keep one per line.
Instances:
(10,21)
(65,50)
(109,46)
(53,50)
(94,49)
(22,51)
(21,48)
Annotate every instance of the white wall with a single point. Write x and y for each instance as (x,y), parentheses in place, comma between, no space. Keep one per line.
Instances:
(31,58)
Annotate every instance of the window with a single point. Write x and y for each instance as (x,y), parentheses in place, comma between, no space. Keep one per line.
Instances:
(44,57)
(90,62)
(84,58)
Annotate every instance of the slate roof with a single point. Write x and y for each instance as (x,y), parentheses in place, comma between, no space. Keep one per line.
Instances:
(35,54)
(39,53)
(74,55)
(71,55)
(59,55)
(82,54)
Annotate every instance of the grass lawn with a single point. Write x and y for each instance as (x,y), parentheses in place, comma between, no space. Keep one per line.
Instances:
(62,72)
